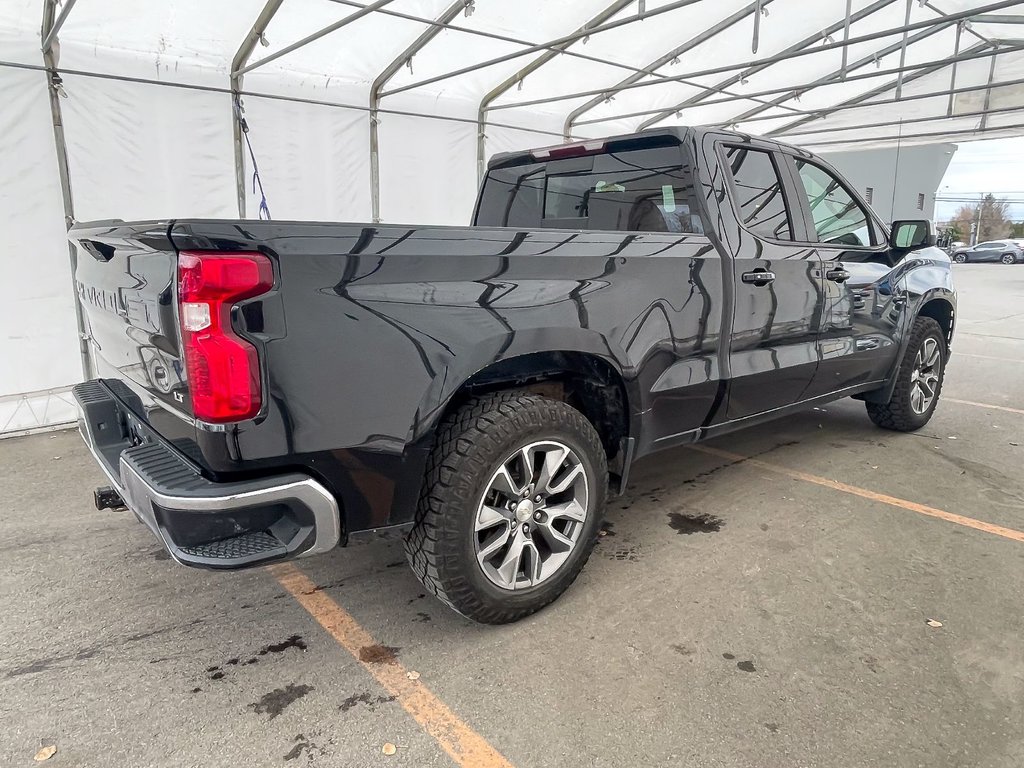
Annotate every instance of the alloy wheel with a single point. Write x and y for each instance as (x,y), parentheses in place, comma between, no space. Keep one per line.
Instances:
(924,380)
(531,516)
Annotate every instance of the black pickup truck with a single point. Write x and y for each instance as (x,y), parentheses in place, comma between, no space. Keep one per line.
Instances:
(267,390)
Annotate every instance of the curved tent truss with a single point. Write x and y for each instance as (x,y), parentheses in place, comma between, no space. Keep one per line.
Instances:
(361,110)
(822,71)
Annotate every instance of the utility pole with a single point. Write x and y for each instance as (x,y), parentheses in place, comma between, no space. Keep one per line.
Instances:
(976,228)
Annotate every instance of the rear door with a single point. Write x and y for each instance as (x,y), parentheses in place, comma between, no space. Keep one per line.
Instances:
(667,315)
(864,295)
(778,284)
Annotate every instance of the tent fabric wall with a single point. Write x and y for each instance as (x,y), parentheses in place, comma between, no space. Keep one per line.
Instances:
(148,112)
(39,355)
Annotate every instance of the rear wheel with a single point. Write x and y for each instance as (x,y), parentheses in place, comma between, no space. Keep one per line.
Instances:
(511,506)
(960,258)
(918,381)
(1008,258)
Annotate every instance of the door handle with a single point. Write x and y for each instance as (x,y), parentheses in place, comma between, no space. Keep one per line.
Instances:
(759,277)
(838,275)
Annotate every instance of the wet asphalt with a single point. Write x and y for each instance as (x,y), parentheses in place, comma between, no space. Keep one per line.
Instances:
(731,615)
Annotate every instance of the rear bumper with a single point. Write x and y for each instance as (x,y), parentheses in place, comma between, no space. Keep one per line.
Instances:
(203,523)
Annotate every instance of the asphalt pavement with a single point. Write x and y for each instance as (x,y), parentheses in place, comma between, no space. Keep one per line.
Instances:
(765,606)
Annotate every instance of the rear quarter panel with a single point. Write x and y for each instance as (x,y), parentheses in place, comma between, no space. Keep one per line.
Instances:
(373,329)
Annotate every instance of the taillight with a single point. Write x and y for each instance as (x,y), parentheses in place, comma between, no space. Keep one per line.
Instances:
(223,369)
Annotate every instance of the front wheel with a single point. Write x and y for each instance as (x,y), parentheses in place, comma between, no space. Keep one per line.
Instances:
(918,381)
(511,506)
(1008,258)
(960,258)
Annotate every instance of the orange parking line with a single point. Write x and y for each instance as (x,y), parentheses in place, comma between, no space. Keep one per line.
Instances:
(984,405)
(464,745)
(923,509)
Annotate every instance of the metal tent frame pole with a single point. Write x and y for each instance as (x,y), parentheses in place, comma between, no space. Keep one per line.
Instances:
(836,75)
(863,104)
(879,90)
(906,136)
(382,79)
(791,88)
(988,94)
(557,45)
(363,11)
(907,121)
(744,65)
(51,26)
(800,45)
(753,8)
(533,66)
(240,59)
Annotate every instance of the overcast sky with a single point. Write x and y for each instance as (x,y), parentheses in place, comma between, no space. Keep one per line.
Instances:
(995,166)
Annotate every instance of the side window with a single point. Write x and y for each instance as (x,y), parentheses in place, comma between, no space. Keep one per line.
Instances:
(838,218)
(641,190)
(762,206)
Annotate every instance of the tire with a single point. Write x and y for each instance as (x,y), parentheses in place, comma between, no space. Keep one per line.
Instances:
(474,446)
(903,412)
(960,258)
(1008,258)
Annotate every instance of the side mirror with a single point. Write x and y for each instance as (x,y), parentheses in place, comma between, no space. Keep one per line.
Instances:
(910,234)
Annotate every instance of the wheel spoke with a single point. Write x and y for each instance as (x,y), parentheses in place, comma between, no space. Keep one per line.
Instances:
(503,483)
(509,568)
(533,563)
(931,353)
(553,459)
(488,517)
(565,482)
(926,388)
(571,510)
(917,398)
(558,542)
(493,545)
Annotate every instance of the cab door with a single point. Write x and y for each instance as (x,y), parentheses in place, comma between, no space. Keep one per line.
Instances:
(777,283)
(864,293)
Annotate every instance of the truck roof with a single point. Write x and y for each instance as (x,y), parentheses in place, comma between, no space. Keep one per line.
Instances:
(652,137)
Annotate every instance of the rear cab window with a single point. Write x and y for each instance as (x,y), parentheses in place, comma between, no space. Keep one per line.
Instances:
(641,189)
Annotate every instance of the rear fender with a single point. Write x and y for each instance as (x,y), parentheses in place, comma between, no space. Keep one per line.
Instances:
(521,344)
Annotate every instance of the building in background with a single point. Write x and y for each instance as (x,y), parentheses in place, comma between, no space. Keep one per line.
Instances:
(916,172)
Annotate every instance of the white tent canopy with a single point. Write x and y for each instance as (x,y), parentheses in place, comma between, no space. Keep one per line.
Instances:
(386,110)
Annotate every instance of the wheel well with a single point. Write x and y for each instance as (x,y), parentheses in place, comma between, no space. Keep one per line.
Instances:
(586,382)
(941,311)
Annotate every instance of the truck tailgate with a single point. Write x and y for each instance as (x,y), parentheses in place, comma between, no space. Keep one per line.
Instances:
(125,284)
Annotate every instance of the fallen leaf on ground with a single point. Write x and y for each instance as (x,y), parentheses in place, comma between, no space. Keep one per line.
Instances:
(933,623)
(413,675)
(45,753)
(388,749)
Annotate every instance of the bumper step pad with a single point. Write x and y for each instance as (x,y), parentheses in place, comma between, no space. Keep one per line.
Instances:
(255,545)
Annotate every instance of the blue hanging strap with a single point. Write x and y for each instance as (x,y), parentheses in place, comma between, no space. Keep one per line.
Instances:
(257,183)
